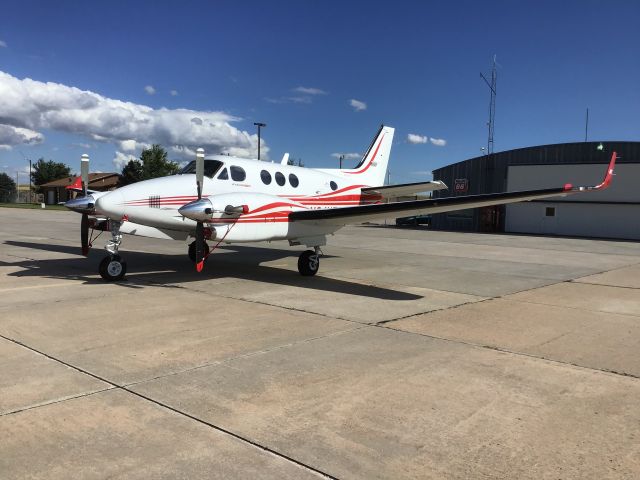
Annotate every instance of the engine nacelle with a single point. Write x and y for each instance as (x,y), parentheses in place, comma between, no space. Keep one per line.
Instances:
(230,205)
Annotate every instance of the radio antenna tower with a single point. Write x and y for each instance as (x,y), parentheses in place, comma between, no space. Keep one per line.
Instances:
(492,104)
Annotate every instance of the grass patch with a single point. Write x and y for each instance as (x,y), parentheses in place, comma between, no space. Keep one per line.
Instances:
(35,206)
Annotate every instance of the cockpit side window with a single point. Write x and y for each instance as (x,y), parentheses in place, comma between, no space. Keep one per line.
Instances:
(210,167)
(224,175)
(238,173)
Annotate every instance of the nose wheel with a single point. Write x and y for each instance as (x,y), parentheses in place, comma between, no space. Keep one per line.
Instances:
(112,268)
(309,262)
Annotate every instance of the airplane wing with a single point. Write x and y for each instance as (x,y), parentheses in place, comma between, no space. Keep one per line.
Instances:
(364,213)
(389,191)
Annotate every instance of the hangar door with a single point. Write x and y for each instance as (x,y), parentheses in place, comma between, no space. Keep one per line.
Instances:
(612,213)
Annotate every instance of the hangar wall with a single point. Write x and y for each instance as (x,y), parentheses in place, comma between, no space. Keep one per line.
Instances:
(612,213)
(490,174)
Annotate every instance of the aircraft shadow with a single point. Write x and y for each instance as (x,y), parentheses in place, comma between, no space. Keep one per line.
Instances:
(144,269)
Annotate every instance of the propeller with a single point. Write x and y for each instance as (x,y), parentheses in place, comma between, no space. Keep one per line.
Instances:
(84,223)
(199,224)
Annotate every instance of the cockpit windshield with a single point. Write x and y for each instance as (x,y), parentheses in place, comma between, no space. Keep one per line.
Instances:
(210,167)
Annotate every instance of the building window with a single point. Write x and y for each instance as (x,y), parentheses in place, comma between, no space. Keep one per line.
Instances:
(224,175)
(550,212)
(333,185)
(266,177)
(238,174)
(280,179)
(293,180)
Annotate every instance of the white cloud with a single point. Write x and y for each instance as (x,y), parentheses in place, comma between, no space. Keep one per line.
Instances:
(82,145)
(150,90)
(357,105)
(29,106)
(11,135)
(422,173)
(3,44)
(438,142)
(309,91)
(174,93)
(416,139)
(121,159)
(281,100)
(347,156)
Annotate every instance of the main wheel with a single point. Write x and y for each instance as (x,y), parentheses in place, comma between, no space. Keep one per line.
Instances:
(112,268)
(308,263)
(192,251)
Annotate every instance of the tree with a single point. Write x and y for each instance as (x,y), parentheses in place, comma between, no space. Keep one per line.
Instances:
(43,172)
(7,188)
(153,163)
(131,173)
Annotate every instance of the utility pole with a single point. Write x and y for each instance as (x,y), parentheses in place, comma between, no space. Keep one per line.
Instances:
(492,104)
(259,125)
(30,199)
(17,186)
(341,159)
(586,126)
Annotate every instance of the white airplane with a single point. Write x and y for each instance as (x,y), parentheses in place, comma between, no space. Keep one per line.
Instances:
(232,200)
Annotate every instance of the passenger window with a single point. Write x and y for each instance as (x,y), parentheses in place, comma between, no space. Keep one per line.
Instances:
(293,180)
(224,175)
(333,185)
(237,173)
(266,177)
(280,179)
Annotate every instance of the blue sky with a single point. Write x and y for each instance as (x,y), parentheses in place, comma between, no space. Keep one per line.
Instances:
(414,64)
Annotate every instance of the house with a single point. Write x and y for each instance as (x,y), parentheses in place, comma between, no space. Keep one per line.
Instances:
(56,191)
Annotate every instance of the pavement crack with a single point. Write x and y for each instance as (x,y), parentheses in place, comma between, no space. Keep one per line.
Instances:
(53,402)
(237,436)
(248,355)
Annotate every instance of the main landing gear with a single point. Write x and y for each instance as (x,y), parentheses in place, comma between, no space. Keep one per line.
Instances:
(112,268)
(309,262)
(192,251)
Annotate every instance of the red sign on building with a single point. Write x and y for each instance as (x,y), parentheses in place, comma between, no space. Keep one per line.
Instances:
(461,185)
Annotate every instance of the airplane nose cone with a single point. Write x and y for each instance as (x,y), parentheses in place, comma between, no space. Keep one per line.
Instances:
(81,204)
(111,205)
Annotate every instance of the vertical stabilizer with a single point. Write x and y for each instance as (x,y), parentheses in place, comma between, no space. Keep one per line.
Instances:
(372,169)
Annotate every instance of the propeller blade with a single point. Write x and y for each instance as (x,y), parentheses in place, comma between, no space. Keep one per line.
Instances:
(84,172)
(199,246)
(84,234)
(199,170)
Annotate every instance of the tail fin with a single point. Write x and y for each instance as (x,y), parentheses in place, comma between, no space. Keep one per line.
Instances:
(373,167)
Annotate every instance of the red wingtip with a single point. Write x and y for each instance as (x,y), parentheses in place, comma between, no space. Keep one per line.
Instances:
(77,184)
(609,176)
(200,265)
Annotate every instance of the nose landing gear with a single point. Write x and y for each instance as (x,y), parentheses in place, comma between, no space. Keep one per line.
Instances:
(112,268)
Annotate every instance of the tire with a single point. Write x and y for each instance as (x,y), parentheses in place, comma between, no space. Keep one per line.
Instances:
(308,263)
(192,251)
(113,268)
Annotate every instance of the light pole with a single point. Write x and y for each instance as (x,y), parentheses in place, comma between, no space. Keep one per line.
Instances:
(259,125)
(341,159)
(30,199)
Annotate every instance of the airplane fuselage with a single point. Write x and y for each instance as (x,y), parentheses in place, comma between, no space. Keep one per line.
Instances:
(268,191)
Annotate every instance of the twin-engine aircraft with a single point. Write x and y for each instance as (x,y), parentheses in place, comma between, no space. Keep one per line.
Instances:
(231,200)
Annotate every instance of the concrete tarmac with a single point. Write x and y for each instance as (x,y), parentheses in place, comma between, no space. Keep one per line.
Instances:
(412,354)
